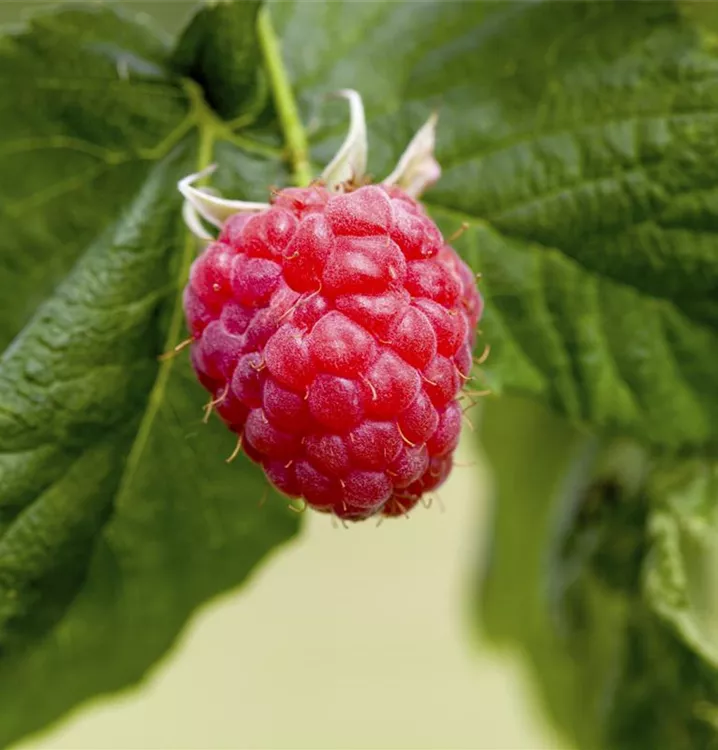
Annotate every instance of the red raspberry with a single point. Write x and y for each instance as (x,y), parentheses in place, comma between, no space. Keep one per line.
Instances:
(333,332)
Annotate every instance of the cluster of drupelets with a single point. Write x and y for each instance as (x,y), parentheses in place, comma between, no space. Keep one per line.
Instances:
(334,330)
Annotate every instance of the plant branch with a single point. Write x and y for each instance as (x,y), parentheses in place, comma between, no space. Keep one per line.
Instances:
(285,102)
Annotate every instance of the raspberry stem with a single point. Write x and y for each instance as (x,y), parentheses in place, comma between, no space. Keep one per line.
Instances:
(285,102)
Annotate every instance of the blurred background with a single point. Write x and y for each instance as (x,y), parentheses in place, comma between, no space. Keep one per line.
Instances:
(348,638)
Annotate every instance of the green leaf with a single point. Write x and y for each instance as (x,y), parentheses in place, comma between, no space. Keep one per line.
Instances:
(580,141)
(88,105)
(604,577)
(680,577)
(118,516)
(219,50)
(591,172)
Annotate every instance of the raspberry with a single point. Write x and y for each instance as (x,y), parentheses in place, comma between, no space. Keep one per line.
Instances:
(334,331)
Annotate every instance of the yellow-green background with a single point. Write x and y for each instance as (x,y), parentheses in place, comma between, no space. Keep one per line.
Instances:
(348,638)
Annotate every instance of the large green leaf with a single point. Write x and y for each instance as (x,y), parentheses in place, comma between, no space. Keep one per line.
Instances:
(87,105)
(591,169)
(118,516)
(580,140)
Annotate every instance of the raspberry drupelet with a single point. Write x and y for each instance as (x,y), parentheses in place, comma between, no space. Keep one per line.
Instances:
(334,331)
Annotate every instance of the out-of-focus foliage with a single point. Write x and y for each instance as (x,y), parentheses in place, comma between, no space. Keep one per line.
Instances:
(604,575)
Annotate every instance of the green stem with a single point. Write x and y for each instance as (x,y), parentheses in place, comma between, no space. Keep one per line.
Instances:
(284,100)
(254,147)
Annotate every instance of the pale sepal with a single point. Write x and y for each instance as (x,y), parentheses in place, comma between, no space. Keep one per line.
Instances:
(194,223)
(210,207)
(418,168)
(349,164)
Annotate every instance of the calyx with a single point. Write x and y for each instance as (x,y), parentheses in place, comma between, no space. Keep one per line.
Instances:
(416,170)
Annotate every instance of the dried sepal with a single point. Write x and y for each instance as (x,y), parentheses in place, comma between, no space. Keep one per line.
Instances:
(211,207)
(349,164)
(194,223)
(418,168)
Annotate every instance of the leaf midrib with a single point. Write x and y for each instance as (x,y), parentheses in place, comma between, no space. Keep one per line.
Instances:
(154,403)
